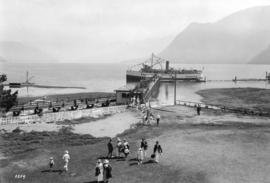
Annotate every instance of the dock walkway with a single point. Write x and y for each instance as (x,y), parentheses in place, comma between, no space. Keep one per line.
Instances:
(153,85)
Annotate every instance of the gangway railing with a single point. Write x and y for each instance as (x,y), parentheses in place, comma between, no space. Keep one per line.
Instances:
(152,86)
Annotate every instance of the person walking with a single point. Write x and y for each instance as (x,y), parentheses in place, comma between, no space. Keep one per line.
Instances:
(157,151)
(66,158)
(140,156)
(158,119)
(107,171)
(198,109)
(110,149)
(99,171)
(144,146)
(126,148)
(119,147)
(51,163)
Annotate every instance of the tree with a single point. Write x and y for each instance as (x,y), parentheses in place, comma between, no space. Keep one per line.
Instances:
(7,98)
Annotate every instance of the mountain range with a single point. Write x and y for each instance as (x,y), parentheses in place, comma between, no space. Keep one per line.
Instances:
(240,38)
(12,51)
(243,37)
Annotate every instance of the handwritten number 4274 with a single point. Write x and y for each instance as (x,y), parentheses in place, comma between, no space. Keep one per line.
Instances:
(20,176)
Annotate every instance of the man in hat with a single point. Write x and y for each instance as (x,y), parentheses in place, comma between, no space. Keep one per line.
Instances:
(144,146)
(107,171)
(198,109)
(110,149)
(158,119)
(157,151)
(66,159)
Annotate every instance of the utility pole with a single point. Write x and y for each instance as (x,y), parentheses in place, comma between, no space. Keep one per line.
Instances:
(175,88)
(152,60)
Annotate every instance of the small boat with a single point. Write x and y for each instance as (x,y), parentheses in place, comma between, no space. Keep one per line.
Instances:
(148,70)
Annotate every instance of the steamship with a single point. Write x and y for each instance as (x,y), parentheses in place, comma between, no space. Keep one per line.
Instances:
(149,68)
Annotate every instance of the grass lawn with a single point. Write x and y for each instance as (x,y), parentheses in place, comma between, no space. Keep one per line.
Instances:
(249,98)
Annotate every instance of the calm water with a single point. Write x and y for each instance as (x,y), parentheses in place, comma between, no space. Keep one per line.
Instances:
(108,77)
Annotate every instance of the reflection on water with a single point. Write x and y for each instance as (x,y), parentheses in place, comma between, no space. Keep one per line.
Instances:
(166,91)
(187,90)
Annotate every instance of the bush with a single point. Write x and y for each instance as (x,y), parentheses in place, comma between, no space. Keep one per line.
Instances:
(66,130)
(17,130)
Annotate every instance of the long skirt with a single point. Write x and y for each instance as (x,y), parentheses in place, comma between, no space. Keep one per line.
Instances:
(66,166)
(100,176)
(144,153)
(157,157)
(118,152)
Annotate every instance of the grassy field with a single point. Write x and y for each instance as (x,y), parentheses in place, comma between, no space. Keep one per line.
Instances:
(210,148)
(249,98)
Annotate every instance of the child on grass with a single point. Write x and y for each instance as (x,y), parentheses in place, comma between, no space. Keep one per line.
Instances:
(51,163)
(140,156)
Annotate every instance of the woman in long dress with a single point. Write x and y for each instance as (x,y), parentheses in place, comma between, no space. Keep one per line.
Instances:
(118,146)
(157,151)
(107,171)
(99,171)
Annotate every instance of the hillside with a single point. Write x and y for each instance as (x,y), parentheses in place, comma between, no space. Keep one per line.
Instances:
(262,58)
(11,51)
(235,39)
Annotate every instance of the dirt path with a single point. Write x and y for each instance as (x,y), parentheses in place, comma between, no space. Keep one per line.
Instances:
(109,126)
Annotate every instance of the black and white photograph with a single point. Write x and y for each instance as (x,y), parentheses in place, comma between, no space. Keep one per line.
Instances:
(134,91)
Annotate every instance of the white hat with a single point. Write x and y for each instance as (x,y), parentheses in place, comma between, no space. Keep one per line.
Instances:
(140,149)
(106,161)
(66,151)
(51,157)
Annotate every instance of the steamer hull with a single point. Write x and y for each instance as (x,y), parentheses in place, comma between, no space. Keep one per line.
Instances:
(133,76)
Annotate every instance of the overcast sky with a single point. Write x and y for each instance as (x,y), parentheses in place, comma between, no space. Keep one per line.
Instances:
(106,30)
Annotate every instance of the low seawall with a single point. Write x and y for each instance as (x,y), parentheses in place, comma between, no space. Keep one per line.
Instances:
(63,115)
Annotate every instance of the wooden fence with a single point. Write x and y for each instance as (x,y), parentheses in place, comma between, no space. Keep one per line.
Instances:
(62,115)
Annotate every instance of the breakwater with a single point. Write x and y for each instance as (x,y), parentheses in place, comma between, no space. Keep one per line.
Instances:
(62,115)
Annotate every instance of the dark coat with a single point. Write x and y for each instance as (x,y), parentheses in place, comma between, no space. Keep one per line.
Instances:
(144,145)
(157,148)
(110,147)
(107,172)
